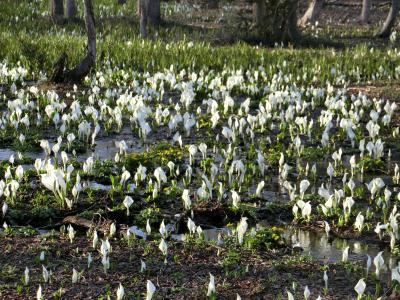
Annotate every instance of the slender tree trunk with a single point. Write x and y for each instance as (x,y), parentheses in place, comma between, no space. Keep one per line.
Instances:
(312,13)
(154,11)
(212,4)
(56,10)
(293,33)
(386,29)
(143,18)
(365,11)
(77,74)
(71,10)
(259,13)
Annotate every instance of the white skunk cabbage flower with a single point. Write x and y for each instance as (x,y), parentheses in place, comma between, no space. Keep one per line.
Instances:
(191,226)
(325,279)
(290,295)
(304,184)
(120,292)
(95,239)
(306,293)
(186,199)
(75,276)
(241,229)
(4,208)
(148,227)
(142,266)
(150,290)
(345,255)
(26,276)
(45,274)
(211,286)
(128,201)
(113,229)
(39,293)
(163,247)
(360,288)
(378,262)
(71,233)
(396,275)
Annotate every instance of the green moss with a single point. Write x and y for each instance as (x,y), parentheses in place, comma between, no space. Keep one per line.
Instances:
(158,155)
(313,153)
(21,231)
(264,239)
(371,165)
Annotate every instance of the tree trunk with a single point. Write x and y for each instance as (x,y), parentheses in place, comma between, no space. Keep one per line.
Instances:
(259,13)
(312,13)
(276,21)
(212,4)
(154,11)
(56,10)
(143,18)
(71,10)
(366,9)
(390,20)
(77,74)
(292,31)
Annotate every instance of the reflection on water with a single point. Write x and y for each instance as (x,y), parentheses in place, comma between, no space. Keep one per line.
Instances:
(318,246)
(213,234)
(5,153)
(138,232)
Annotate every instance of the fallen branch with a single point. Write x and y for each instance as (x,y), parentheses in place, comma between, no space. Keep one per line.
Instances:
(102,227)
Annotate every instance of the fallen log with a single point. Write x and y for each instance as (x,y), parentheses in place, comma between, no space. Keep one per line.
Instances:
(102,227)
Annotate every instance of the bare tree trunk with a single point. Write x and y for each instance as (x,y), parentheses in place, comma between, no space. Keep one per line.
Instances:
(278,21)
(292,31)
(71,10)
(143,18)
(212,4)
(390,20)
(56,10)
(259,13)
(78,73)
(366,9)
(154,11)
(312,13)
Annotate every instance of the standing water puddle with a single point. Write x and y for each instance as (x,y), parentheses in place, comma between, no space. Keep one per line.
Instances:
(319,247)
(315,244)
(212,234)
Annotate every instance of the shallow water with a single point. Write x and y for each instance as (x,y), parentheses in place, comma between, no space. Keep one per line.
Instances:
(138,232)
(105,187)
(318,246)
(209,235)
(6,153)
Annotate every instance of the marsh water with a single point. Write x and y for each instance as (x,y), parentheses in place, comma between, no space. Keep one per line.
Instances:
(320,247)
(315,244)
